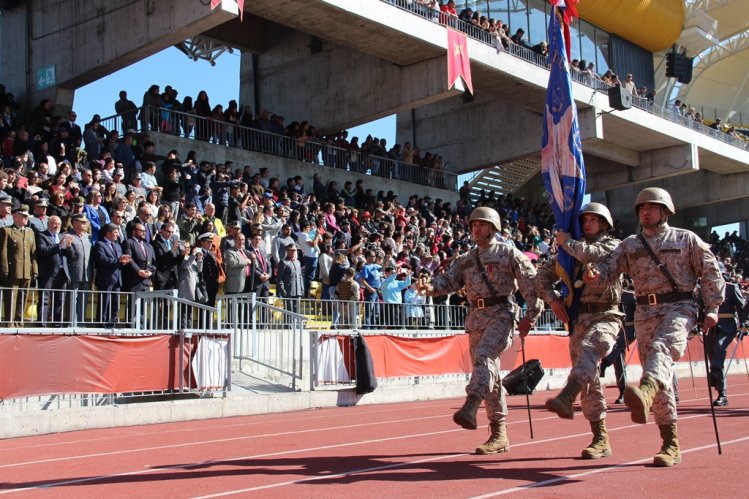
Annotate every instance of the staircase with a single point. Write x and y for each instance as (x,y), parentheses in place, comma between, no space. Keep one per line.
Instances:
(504,179)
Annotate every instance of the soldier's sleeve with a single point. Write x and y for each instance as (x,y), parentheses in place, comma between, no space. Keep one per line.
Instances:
(614,264)
(4,251)
(525,274)
(712,285)
(546,278)
(451,279)
(34,266)
(590,253)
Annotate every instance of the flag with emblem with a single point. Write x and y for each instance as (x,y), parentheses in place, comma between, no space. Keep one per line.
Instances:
(562,164)
(458,62)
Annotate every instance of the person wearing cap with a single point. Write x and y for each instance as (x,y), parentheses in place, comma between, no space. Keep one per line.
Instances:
(290,280)
(77,246)
(491,275)
(595,328)
(18,265)
(38,222)
(6,205)
(211,270)
(664,283)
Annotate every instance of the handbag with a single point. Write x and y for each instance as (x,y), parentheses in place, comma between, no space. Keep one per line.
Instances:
(201,293)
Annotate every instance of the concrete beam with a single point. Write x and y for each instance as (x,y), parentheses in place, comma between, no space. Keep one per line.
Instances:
(339,86)
(86,42)
(701,219)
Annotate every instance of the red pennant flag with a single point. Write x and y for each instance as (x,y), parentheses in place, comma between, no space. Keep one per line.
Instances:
(458,62)
(240,5)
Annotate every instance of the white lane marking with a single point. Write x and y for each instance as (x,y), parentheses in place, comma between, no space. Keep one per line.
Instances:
(552,481)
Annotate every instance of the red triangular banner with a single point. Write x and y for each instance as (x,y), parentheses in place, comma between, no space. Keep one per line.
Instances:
(458,62)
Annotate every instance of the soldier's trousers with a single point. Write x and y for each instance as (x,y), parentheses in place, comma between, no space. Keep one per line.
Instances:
(592,339)
(490,332)
(661,341)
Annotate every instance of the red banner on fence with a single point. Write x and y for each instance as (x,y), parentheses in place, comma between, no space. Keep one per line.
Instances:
(47,364)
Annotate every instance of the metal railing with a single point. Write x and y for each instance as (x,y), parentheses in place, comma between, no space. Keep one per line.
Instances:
(538,60)
(314,150)
(267,339)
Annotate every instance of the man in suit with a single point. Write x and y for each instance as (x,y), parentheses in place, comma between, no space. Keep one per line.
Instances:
(145,218)
(109,262)
(290,280)
(138,272)
(261,273)
(168,256)
(237,266)
(76,245)
(53,272)
(75,135)
(17,264)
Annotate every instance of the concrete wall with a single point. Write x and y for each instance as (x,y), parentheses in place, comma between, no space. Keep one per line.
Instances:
(91,39)
(284,168)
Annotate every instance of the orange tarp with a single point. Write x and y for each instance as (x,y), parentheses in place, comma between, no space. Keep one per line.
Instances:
(47,364)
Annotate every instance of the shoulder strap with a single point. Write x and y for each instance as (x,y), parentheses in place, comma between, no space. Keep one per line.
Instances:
(658,263)
(484,276)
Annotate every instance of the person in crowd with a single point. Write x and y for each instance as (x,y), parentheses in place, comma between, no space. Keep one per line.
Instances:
(53,273)
(237,264)
(77,245)
(109,262)
(666,310)
(595,328)
(138,272)
(190,271)
(168,255)
(290,280)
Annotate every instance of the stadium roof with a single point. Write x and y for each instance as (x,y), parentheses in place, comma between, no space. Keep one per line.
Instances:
(716,33)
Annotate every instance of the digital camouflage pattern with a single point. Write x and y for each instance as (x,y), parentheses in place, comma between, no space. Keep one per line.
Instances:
(490,329)
(594,334)
(662,329)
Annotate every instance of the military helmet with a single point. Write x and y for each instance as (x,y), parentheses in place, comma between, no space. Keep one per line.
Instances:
(655,195)
(598,209)
(486,214)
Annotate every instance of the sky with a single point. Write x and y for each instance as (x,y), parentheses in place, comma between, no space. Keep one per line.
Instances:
(221,82)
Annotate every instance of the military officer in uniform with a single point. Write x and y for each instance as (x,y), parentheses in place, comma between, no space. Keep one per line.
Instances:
(491,274)
(17,264)
(665,264)
(596,327)
(723,334)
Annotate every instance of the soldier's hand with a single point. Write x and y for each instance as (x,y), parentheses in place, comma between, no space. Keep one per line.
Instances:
(562,237)
(711,320)
(591,275)
(560,311)
(525,325)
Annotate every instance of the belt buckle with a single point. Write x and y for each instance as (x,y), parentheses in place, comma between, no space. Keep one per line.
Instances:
(652,299)
(480,303)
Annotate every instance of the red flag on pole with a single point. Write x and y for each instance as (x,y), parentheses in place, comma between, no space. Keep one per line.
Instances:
(458,62)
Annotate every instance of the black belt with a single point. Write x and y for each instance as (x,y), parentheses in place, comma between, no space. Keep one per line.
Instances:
(488,302)
(596,308)
(656,299)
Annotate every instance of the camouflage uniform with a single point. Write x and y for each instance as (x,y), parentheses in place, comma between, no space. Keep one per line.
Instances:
(662,328)
(594,332)
(490,329)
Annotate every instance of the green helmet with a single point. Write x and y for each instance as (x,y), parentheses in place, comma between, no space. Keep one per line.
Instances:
(597,209)
(655,195)
(486,214)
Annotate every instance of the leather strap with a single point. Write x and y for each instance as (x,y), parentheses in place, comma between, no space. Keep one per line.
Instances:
(656,299)
(488,302)
(597,308)
(658,263)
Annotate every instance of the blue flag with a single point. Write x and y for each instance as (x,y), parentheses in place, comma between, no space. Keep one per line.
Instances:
(562,164)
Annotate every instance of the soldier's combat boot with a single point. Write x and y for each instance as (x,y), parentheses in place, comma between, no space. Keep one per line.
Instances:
(497,442)
(562,403)
(669,454)
(640,398)
(466,416)
(599,447)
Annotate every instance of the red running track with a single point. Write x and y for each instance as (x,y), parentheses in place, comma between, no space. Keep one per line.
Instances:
(396,450)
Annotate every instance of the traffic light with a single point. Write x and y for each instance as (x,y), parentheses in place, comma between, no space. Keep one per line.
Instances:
(671,65)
